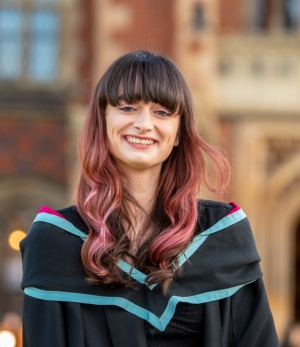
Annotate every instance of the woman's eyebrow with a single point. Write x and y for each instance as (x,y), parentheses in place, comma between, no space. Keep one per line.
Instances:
(121,98)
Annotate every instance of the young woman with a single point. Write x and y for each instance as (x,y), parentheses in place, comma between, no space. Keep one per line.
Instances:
(139,261)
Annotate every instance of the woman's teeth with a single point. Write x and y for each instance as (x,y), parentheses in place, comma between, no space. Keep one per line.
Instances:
(136,140)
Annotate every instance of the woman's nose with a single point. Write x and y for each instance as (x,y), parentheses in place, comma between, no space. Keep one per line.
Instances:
(143,121)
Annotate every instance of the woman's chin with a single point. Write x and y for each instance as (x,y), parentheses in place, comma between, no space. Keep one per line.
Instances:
(140,165)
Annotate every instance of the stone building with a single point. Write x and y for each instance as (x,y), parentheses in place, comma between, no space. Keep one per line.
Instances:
(241,61)
(258,109)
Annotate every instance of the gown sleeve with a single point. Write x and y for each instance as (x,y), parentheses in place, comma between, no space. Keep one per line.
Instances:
(52,323)
(252,323)
(64,324)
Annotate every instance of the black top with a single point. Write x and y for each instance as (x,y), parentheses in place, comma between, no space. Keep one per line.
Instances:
(219,301)
(184,329)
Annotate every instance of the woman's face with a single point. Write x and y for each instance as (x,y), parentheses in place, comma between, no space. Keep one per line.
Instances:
(141,136)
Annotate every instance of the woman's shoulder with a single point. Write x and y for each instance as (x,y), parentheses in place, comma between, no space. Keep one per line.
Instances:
(220,207)
(211,212)
(72,215)
(61,217)
(51,248)
(55,227)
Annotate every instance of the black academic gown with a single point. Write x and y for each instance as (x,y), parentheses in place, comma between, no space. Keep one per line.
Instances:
(220,269)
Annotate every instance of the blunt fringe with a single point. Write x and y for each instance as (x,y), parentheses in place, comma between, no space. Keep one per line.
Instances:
(101,197)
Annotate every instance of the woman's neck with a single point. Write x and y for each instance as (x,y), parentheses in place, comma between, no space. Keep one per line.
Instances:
(142,185)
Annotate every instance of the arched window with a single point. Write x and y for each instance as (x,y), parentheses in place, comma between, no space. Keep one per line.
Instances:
(29,40)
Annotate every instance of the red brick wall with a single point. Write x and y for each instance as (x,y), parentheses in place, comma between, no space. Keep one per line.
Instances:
(152,26)
(33,147)
(36,144)
(85,37)
(230,16)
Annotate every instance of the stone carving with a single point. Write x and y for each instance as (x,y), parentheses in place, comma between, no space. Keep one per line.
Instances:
(280,151)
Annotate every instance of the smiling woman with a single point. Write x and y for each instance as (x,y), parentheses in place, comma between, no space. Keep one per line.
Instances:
(152,191)
(139,260)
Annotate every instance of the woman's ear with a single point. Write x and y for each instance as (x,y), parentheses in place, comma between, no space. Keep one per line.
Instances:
(176,143)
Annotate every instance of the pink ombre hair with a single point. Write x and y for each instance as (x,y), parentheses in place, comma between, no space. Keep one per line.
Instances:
(102,199)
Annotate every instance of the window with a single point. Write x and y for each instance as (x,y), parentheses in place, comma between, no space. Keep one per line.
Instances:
(274,14)
(261,14)
(199,20)
(291,14)
(29,40)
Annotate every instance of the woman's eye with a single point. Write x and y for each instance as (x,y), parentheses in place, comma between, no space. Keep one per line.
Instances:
(126,109)
(163,113)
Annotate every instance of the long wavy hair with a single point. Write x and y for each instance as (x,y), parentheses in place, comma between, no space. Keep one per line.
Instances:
(102,199)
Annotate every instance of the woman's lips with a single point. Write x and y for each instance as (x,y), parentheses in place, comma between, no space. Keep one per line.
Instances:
(138,142)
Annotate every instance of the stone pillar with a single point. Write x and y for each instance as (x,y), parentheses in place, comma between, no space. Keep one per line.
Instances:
(195,53)
(109,17)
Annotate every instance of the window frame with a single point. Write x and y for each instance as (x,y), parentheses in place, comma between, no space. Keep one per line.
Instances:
(275,17)
(28,7)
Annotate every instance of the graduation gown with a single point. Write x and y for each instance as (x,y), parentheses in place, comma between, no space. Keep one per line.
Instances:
(220,269)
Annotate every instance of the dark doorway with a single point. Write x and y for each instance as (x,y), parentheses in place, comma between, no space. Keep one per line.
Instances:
(297,275)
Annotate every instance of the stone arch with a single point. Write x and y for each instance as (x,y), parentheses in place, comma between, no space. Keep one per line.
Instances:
(284,176)
(22,196)
(33,187)
(283,209)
